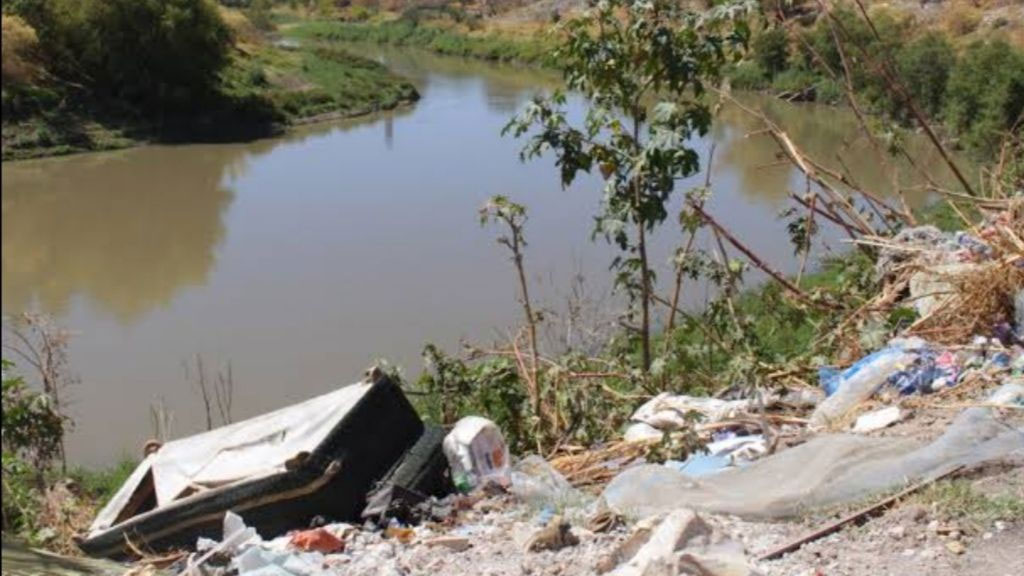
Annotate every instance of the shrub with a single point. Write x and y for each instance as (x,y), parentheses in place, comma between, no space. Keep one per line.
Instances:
(771,51)
(241,27)
(985,94)
(828,91)
(748,76)
(794,80)
(33,432)
(259,14)
(853,31)
(819,38)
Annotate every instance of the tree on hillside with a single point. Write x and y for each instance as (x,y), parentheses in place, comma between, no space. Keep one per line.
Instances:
(643,67)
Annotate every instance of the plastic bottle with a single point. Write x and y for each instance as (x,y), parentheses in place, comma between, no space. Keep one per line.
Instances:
(476,453)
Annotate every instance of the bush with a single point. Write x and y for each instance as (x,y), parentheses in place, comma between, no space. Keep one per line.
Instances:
(260,15)
(33,434)
(748,76)
(453,389)
(985,94)
(794,80)
(241,26)
(828,91)
(101,485)
(771,51)
(854,32)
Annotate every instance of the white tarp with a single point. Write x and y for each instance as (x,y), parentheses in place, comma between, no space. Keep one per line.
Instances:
(248,449)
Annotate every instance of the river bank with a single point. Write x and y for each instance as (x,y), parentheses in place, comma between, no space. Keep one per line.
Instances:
(271,82)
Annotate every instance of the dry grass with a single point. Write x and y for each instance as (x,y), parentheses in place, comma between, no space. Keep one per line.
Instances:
(979,296)
(596,467)
(982,297)
(65,516)
(19,46)
(242,29)
(961,18)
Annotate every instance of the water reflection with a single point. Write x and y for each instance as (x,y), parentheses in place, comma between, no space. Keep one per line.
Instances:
(125,230)
(829,135)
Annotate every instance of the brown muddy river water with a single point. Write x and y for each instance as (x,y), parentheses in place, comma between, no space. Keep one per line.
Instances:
(302,259)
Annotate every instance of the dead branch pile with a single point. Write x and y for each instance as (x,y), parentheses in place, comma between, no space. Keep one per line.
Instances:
(973,294)
(596,467)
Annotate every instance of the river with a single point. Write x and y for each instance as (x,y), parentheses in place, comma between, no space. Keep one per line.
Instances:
(301,260)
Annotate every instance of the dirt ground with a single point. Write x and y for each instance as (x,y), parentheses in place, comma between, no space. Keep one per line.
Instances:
(911,538)
(914,537)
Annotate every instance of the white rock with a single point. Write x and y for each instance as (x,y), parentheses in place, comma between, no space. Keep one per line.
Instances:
(897,532)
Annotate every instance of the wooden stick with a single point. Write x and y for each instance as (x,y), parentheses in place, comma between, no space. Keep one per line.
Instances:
(862,513)
(754,259)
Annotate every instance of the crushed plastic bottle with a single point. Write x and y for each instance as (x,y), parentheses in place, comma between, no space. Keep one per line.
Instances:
(541,487)
(860,381)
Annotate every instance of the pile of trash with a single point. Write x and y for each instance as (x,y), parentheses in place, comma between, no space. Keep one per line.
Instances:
(959,283)
(354,483)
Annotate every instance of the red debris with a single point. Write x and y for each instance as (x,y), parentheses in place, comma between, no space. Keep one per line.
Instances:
(317,540)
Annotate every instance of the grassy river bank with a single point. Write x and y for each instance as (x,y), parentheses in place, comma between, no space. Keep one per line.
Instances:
(262,83)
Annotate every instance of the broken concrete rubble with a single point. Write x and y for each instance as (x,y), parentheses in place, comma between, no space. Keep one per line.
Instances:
(555,536)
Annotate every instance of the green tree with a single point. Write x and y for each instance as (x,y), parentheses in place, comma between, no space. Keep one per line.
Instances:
(985,94)
(149,53)
(771,50)
(642,67)
(924,65)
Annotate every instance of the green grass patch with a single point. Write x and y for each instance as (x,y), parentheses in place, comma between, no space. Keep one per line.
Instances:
(100,485)
(315,80)
(430,36)
(960,500)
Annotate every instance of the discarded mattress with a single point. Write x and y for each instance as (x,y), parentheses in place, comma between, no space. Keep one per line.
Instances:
(281,469)
(827,470)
